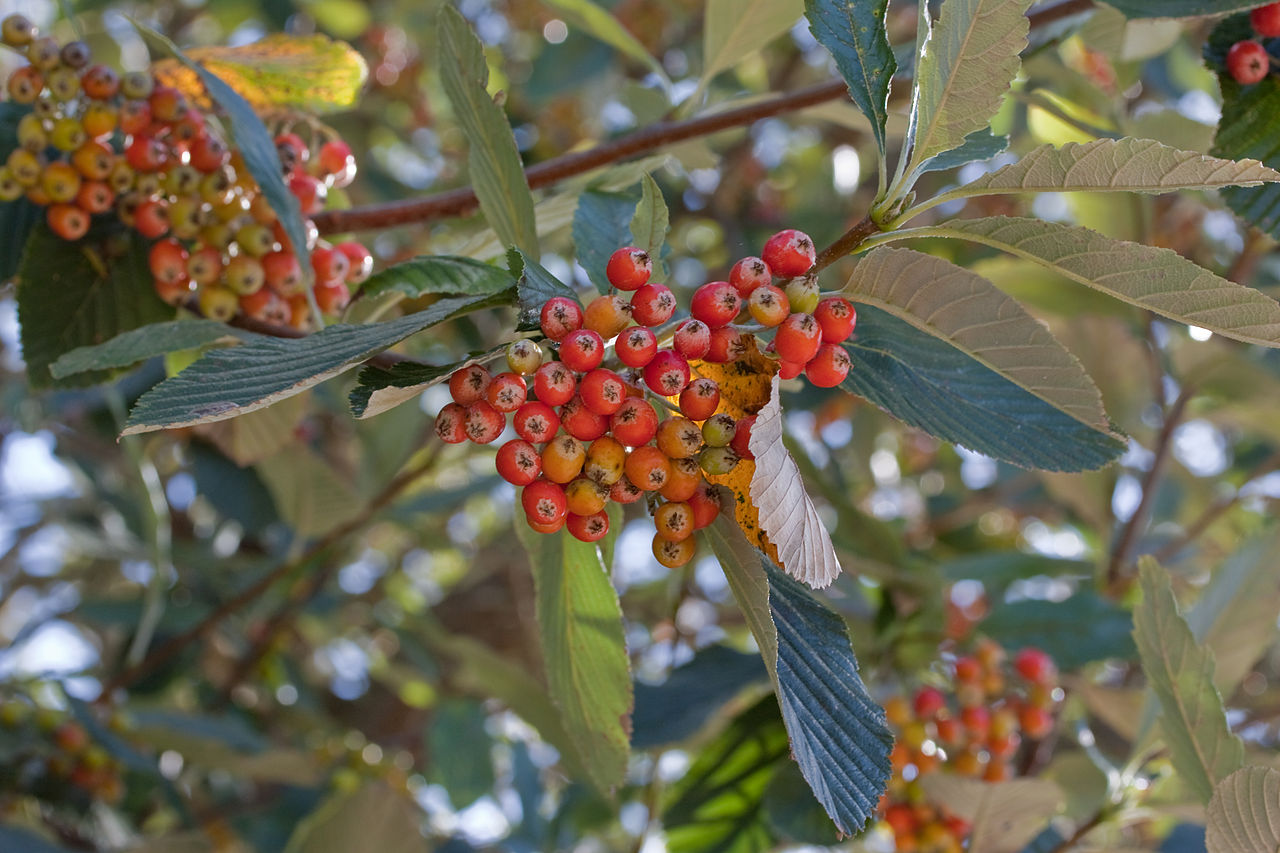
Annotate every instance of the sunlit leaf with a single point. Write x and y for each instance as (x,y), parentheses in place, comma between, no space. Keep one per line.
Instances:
(1005,815)
(855,35)
(603,26)
(979,145)
(1180,8)
(1244,813)
(308,493)
(735,29)
(375,817)
(254,436)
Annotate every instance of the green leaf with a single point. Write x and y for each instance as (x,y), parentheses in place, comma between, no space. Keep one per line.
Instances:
(854,33)
(459,749)
(1244,813)
(1112,165)
(534,288)
(497,173)
(680,706)
(1180,8)
(1180,672)
(979,145)
(597,22)
(580,626)
(969,63)
(380,389)
(998,569)
(793,814)
(308,493)
(129,348)
(743,566)
(230,382)
(1159,280)
(17,218)
(1054,627)
(601,226)
(1005,815)
(967,312)
(375,817)
(70,297)
(439,274)
(717,806)
(931,385)
(733,30)
(650,223)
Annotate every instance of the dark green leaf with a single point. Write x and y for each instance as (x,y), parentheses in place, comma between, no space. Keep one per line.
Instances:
(932,386)
(226,383)
(979,145)
(792,812)
(379,389)
(1180,8)
(68,298)
(681,705)
(497,173)
(650,223)
(998,569)
(439,274)
(534,288)
(138,345)
(237,493)
(601,226)
(16,838)
(459,749)
(1055,627)
(17,218)
(230,731)
(855,34)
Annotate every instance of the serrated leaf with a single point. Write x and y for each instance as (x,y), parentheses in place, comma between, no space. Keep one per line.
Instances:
(932,386)
(230,382)
(1180,673)
(1159,280)
(854,33)
(257,435)
(580,626)
(69,297)
(152,340)
(787,515)
(650,223)
(735,29)
(1005,815)
(979,145)
(1180,8)
(308,493)
(969,313)
(1113,165)
(534,287)
(311,73)
(1244,813)
(971,58)
(1054,627)
(496,170)
(375,817)
(601,226)
(601,25)
(381,389)
(439,274)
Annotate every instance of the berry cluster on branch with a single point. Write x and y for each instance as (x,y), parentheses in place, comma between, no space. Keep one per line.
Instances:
(1248,61)
(52,753)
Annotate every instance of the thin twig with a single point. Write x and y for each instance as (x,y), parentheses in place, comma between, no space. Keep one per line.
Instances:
(1215,510)
(845,243)
(1081,831)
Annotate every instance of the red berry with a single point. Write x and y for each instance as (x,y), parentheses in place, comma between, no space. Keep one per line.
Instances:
(727,345)
(292,150)
(636,346)
(705,504)
(168,262)
(551,527)
(607,314)
(329,264)
(451,424)
(588,528)
(95,197)
(484,422)
(1266,20)
(209,154)
(309,192)
(468,384)
(769,305)
(335,157)
(700,399)
(332,297)
(1247,62)
(100,82)
(603,391)
(1036,722)
(151,219)
(1035,666)
(536,422)
(741,443)
(692,339)
(789,253)
(653,305)
(837,317)
(266,306)
(648,467)
(544,502)
(667,374)
(748,274)
(506,392)
(625,492)
(976,720)
(580,422)
(582,350)
(716,303)
(968,670)
(790,369)
(829,367)
(518,462)
(560,316)
(635,423)
(629,268)
(554,383)
(282,271)
(146,154)
(798,338)
(360,262)
(928,702)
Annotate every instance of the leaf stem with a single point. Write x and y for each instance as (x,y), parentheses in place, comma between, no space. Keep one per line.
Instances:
(846,243)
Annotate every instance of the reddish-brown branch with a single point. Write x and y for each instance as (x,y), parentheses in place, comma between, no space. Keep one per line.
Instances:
(846,243)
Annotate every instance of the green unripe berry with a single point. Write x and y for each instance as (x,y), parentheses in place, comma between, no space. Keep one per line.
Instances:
(149,183)
(218,303)
(256,240)
(184,218)
(67,134)
(182,180)
(717,461)
(717,430)
(803,294)
(217,234)
(137,85)
(31,133)
(524,357)
(63,83)
(10,189)
(122,177)
(244,275)
(218,188)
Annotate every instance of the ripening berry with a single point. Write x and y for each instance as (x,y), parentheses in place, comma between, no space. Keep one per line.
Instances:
(829,367)
(554,383)
(536,422)
(506,392)
(524,357)
(716,303)
(265,306)
(67,221)
(327,262)
(1248,62)
(635,423)
(603,391)
(673,555)
(560,316)
(606,457)
(727,345)
(748,274)
(636,346)
(674,521)
(168,261)
(544,502)
(803,293)
(484,423)
(580,422)
(989,653)
(335,157)
(949,729)
(25,84)
(928,702)
(94,160)
(563,458)
(582,350)
(1266,20)
(789,253)
(705,503)
(625,492)
(168,105)
(44,53)
(718,461)
(359,261)
(968,670)
(31,133)
(629,268)
(95,197)
(683,481)
(1036,723)
(1004,722)
(518,462)
(768,305)
(17,30)
(585,497)
(243,274)
(679,438)
(692,339)
(468,384)
(718,430)
(648,467)
(667,374)
(100,82)
(282,272)
(587,528)
(60,181)
(545,529)
(217,303)
(653,305)
(208,154)
(10,189)
(700,399)
(332,297)
(607,315)
(25,167)
(309,192)
(976,721)
(63,84)
(798,338)
(790,369)
(146,154)
(137,85)
(1035,666)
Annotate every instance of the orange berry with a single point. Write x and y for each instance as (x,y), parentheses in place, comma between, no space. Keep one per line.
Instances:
(648,467)
(673,555)
(562,460)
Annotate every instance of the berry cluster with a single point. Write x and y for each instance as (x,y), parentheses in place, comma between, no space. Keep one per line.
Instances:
(976,733)
(1247,60)
(54,756)
(97,142)
(586,432)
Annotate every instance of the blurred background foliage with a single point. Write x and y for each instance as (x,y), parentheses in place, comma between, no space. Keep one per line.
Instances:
(399,650)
